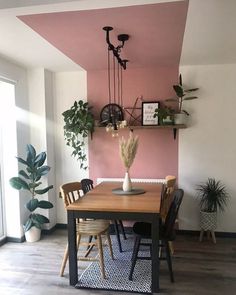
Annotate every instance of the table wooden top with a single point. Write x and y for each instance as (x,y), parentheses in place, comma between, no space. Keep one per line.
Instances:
(101,199)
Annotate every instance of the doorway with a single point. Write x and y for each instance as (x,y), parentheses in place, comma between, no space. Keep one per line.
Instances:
(7,138)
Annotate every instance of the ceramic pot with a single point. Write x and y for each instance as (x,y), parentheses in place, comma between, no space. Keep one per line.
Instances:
(33,234)
(127,185)
(181,118)
(208,220)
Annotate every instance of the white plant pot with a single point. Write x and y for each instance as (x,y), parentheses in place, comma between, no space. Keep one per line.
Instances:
(33,234)
(181,118)
(127,185)
(208,220)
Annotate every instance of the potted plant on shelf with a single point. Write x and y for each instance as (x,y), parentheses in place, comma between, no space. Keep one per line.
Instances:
(29,180)
(213,198)
(165,115)
(181,92)
(79,123)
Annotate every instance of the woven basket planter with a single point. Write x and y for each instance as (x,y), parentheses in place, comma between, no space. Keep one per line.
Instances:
(208,220)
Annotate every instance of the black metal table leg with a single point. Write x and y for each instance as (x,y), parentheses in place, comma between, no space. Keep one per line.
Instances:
(117,234)
(73,267)
(155,254)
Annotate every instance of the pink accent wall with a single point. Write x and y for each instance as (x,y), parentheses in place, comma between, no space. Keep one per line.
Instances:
(157,154)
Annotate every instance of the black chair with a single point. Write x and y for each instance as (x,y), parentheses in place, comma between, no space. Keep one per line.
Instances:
(142,230)
(87,185)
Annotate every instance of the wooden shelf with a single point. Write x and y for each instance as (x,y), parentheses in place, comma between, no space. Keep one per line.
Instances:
(174,127)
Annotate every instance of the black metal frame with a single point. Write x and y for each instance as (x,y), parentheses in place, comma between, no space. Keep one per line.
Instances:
(116,50)
(153,218)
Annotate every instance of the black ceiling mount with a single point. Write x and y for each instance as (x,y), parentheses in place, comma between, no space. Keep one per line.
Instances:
(116,50)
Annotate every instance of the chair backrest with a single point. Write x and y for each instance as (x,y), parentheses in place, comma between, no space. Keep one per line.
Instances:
(172,214)
(70,192)
(86,185)
(167,195)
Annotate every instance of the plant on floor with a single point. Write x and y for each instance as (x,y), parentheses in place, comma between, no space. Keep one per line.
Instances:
(79,123)
(29,180)
(213,198)
(213,195)
(181,93)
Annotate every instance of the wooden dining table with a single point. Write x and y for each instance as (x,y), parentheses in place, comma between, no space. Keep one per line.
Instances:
(102,203)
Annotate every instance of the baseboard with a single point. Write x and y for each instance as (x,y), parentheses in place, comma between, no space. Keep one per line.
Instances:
(197,232)
(3,241)
(49,231)
(61,226)
(15,240)
(128,230)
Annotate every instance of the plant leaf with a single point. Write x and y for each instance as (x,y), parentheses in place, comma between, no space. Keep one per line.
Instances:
(43,191)
(22,161)
(43,170)
(45,205)
(38,218)
(18,183)
(32,205)
(27,226)
(178,90)
(31,154)
(24,174)
(190,97)
(40,159)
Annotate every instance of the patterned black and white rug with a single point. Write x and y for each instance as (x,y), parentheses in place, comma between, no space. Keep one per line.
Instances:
(117,271)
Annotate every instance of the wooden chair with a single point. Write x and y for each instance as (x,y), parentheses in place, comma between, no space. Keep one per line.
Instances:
(87,185)
(169,187)
(71,193)
(142,230)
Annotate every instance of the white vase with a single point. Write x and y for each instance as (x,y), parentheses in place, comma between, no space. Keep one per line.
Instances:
(127,185)
(33,234)
(181,118)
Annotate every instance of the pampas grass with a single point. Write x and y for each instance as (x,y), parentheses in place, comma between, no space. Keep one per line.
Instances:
(128,148)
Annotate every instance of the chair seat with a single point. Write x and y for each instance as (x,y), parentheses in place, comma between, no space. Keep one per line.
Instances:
(93,227)
(144,229)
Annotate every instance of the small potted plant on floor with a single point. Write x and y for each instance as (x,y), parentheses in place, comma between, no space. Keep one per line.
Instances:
(213,198)
(29,180)
(181,93)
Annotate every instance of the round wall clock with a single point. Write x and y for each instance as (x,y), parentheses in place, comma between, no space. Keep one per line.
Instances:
(111,113)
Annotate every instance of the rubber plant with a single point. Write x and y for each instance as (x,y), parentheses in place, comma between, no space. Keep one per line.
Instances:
(79,123)
(29,180)
(181,93)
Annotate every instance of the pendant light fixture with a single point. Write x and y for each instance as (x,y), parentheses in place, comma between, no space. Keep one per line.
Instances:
(112,115)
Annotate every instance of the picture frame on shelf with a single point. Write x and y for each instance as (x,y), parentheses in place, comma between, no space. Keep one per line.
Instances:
(148,110)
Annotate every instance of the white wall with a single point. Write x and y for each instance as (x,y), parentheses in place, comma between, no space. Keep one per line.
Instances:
(41,130)
(208,147)
(69,86)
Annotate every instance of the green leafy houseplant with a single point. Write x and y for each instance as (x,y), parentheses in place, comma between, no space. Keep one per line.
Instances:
(165,115)
(29,180)
(79,123)
(213,196)
(181,93)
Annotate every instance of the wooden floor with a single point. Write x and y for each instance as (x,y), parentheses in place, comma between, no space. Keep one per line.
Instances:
(200,268)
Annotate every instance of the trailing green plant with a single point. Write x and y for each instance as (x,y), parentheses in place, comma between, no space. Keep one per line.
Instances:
(181,93)
(213,195)
(163,113)
(79,123)
(29,180)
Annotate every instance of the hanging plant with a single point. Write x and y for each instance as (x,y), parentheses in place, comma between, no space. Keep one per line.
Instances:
(79,123)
